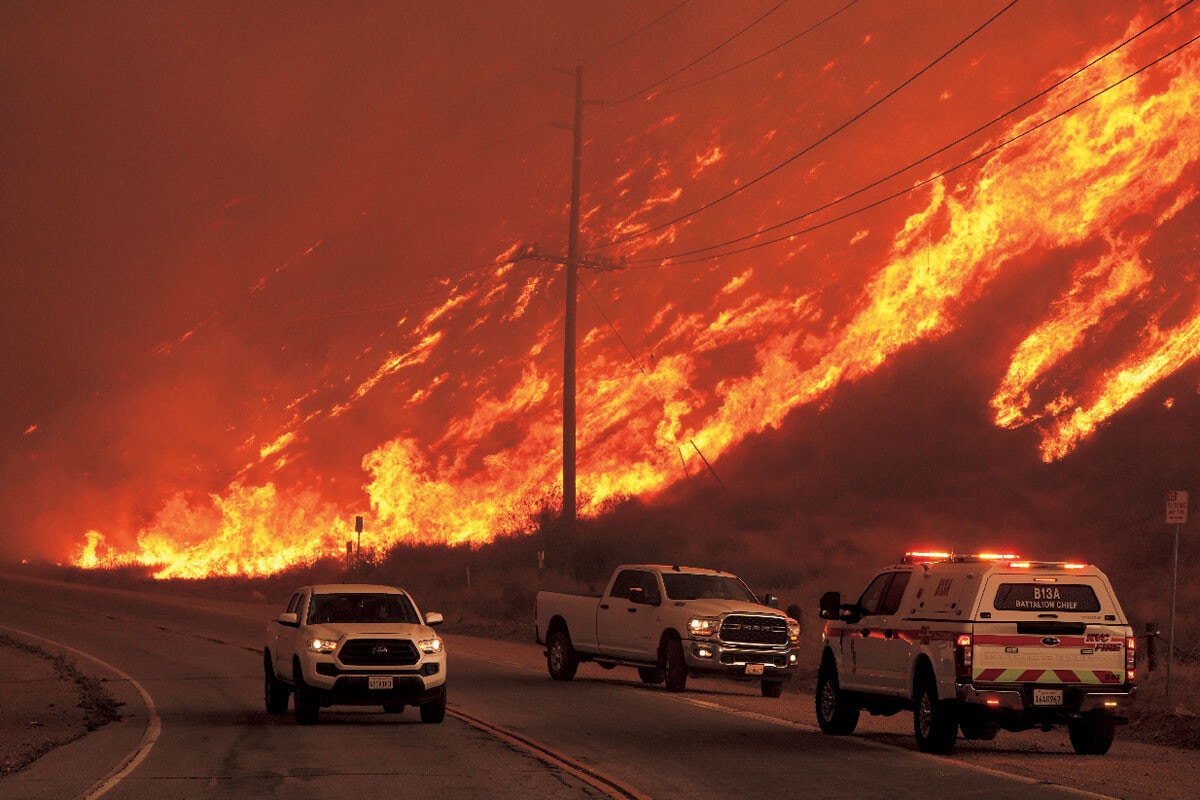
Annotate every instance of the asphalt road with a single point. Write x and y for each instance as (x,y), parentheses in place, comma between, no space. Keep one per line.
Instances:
(190,675)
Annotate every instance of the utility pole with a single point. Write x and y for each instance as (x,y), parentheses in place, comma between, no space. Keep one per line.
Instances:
(569,510)
(573,261)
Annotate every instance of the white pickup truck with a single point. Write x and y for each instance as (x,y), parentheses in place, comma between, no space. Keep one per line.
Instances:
(354,644)
(979,643)
(669,622)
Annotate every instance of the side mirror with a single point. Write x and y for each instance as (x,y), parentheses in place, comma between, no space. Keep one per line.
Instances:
(771,600)
(433,618)
(289,619)
(831,605)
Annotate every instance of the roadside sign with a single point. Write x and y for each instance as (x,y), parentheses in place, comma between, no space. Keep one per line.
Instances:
(1177,508)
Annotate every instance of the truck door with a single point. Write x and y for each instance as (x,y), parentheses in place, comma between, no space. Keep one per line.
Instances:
(622,623)
(878,651)
(287,637)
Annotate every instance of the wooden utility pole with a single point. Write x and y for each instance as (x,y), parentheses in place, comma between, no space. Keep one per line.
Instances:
(572,262)
(569,509)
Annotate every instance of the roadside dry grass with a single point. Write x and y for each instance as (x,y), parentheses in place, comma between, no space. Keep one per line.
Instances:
(48,702)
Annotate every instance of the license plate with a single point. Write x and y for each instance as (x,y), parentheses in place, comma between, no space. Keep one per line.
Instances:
(379,683)
(754,669)
(1047,697)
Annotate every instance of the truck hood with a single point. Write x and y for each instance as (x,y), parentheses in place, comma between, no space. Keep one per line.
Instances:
(377,630)
(715,608)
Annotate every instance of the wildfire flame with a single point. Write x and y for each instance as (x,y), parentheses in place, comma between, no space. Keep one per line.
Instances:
(1097,187)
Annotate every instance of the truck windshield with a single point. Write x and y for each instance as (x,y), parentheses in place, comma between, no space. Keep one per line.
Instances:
(335,608)
(698,587)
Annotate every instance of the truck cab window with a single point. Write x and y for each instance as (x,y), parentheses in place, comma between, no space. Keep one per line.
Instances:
(872,597)
(626,580)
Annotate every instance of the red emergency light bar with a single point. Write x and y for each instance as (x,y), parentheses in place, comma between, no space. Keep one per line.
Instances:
(921,557)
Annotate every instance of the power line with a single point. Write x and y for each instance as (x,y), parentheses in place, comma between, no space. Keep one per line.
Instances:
(639,31)
(938,176)
(637,363)
(760,56)
(791,159)
(700,58)
(913,164)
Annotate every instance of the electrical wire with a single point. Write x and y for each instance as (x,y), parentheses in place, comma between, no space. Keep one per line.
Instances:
(793,158)
(936,177)
(702,57)
(911,165)
(758,57)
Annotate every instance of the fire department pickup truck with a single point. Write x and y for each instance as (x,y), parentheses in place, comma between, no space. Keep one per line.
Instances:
(669,622)
(978,644)
(354,644)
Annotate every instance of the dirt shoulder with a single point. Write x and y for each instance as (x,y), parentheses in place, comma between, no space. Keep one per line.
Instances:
(47,702)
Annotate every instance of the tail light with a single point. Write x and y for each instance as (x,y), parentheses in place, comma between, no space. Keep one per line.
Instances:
(964,657)
(1130,657)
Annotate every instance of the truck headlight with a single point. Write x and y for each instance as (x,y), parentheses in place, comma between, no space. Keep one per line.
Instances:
(793,631)
(430,646)
(322,645)
(701,627)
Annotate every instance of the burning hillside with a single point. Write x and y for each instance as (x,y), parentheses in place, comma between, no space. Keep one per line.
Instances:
(794,212)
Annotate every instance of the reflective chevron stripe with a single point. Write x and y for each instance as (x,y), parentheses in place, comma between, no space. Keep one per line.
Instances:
(1081,676)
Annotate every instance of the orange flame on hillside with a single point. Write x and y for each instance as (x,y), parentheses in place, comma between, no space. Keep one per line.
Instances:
(1113,172)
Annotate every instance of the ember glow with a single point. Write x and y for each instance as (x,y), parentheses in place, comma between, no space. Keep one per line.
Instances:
(433,408)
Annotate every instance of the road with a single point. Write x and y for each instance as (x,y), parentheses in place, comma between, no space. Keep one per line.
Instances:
(189,672)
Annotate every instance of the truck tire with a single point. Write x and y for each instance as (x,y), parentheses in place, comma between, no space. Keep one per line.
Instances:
(772,688)
(434,711)
(935,722)
(675,668)
(307,707)
(561,659)
(837,714)
(275,691)
(1091,737)
(651,675)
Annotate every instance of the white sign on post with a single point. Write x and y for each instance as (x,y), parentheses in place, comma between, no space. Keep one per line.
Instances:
(1177,508)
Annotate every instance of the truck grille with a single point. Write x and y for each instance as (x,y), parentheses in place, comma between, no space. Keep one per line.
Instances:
(745,629)
(379,653)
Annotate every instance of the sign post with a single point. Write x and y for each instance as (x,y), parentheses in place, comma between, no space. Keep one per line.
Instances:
(1177,508)
(358,528)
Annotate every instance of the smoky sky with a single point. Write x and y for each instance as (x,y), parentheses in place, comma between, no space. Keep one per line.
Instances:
(220,219)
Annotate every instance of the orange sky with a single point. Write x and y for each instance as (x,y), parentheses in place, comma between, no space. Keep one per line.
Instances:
(260,281)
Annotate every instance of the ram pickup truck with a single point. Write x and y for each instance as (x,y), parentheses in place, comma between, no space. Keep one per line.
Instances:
(669,622)
(354,644)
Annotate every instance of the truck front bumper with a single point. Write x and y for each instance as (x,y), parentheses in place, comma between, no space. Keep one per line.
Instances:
(336,685)
(739,661)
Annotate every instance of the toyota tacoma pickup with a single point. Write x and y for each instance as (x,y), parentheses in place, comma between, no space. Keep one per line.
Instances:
(669,623)
(354,644)
(979,644)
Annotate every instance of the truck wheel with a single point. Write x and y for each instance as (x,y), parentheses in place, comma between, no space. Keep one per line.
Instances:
(772,688)
(676,667)
(935,722)
(837,714)
(1091,737)
(275,691)
(434,711)
(307,707)
(561,658)
(651,675)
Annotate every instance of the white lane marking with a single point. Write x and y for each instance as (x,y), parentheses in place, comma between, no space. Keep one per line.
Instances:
(614,788)
(149,737)
(857,740)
